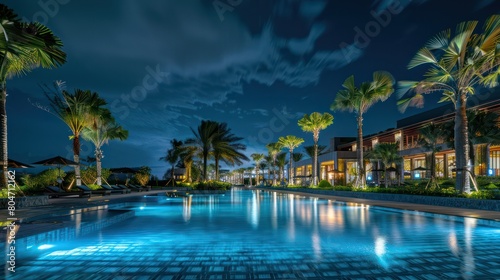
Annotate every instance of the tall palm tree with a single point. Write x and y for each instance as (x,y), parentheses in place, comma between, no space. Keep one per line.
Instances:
(225,147)
(268,163)
(273,150)
(359,99)
(291,142)
(388,154)
(483,129)
(104,130)
(430,138)
(202,140)
(23,47)
(257,158)
(78,110)
(315,123)
(187,156)
(310,150)
(457,66)
(172,157)
(280,163)
(250,170)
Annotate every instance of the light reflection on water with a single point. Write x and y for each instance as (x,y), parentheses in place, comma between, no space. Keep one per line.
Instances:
(274,226)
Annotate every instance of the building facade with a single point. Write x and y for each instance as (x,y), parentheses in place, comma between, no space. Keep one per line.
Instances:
(338,164)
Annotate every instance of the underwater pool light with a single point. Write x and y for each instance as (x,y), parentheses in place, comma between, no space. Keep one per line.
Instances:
(45,246)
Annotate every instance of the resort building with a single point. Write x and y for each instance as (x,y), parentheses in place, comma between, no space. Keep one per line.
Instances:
(338,164)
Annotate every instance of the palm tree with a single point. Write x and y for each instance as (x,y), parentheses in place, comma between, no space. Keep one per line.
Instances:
(310,150)
(250,170)
(280,163)
(202,140)
(430,138)
(23,47)
(358,100)
(458,65)
(78,110)
(315,123)
(273,150)
(257,158)
(105,129)
(483,129)
(225,147)
(388,154)
(291,142)
(172,157)
(187,156)
(296,157)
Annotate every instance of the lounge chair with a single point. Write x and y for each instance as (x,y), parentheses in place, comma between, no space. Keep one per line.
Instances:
(145,188)
(135,188)
(113,190)
(98,191)
(127,190)
(54,191)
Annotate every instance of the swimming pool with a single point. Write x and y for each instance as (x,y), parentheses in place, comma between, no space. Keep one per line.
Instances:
(266,235)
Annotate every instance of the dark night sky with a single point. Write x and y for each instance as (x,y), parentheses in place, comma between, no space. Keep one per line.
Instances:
(164,65)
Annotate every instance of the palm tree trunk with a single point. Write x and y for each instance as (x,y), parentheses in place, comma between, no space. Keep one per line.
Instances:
(172,174)
(188,172)
(274,171)
(4,151)
(98,156)
(315,163)
(361,178)
(462,183)
(257,174)
(76,158)
(290,172)
(205,159)
(386,179)
(216,168)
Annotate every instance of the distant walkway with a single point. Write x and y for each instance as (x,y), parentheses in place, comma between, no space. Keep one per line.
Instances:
(461,212)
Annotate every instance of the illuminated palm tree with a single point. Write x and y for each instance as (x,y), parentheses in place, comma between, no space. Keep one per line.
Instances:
(273,150)
(104,130)
(458,65)
(77,110)
(257,158)
(23,47)
(430,138)
(310,151)
(359,99)
(315,123)
(291,142)
(387,153)
(280,163)
(187,156)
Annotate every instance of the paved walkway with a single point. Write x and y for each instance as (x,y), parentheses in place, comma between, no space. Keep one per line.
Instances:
(462,212)
(62,204)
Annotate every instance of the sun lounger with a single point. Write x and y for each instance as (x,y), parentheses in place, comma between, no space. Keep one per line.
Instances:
(54,191)
(127,190)
(113,190)
(99,191)
(135,188)
(145,188)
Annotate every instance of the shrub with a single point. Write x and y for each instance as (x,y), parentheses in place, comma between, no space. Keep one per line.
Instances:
(324,184)
(89,174)
(486,194)
(143,175)
(342,188)
(212,185)
(45,178)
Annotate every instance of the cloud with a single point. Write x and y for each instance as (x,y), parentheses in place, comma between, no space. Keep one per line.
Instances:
(382,5)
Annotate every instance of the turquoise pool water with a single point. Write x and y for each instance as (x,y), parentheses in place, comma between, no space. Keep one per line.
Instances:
(264,235)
